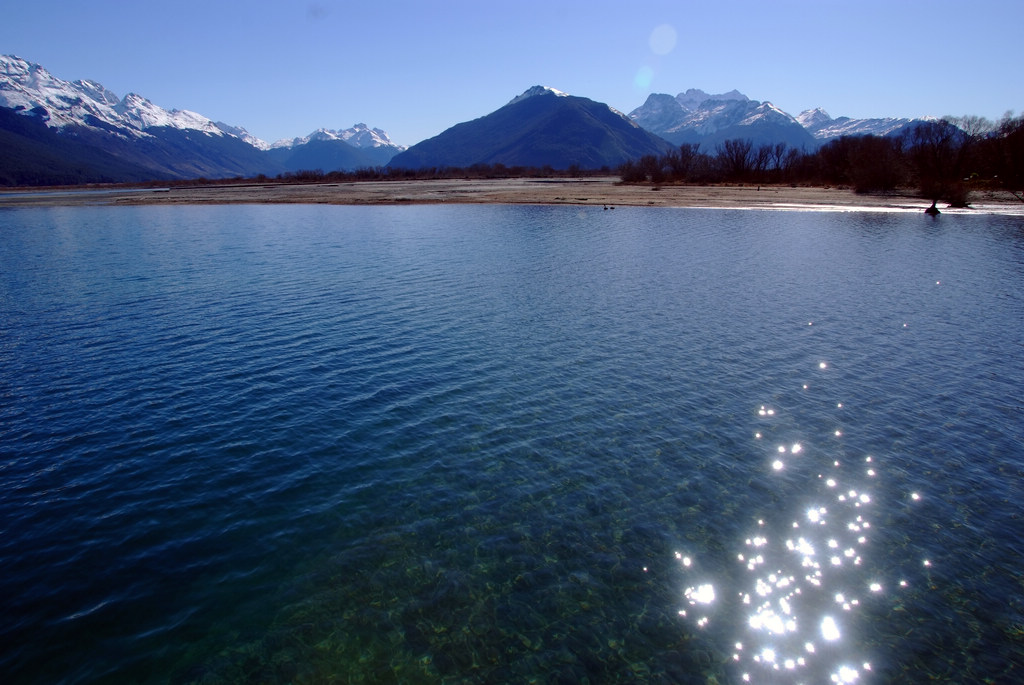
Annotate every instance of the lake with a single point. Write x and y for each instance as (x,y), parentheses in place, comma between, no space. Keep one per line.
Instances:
(510,444)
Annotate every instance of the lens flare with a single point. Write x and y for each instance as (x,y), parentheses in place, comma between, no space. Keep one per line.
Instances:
(663,39)
(643,78)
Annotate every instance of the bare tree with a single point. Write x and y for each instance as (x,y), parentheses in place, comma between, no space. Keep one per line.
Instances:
(735,158)
(1008,154)
(762,158)
(680,162)
(778,156)
(936,148)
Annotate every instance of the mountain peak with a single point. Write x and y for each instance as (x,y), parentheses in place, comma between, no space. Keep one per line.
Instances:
(362,136)
(535,91)
(695,97)
(697,117)
(541,127)
(359,136)
(813,118)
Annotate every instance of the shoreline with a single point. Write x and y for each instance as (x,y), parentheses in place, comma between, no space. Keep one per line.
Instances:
(601,191)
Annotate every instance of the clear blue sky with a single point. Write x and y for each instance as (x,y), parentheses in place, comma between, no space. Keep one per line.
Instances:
(283,68)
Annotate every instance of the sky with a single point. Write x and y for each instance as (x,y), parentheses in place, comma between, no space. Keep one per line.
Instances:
(284,68)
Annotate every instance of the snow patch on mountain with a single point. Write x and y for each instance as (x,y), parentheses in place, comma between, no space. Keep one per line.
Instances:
(548,90)
(32,90)
(362,136)
(535,91)
(823,127)
(26,86)
(96,91)
(695,114)
(140,113)
(813,118)
(693,98)
(766,111)
(242,134)
(359,136)
(713,115)
(700,111)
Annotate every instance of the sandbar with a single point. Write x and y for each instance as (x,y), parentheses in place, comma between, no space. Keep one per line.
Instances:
(600,191)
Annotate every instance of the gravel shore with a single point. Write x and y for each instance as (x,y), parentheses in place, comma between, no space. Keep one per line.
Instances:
(605,192)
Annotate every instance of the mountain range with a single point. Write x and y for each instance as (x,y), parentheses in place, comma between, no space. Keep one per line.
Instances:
(59,132)
(709,120)
(819,124)
(54,131)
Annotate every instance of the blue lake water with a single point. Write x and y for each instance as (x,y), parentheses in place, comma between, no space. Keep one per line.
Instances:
(510,444)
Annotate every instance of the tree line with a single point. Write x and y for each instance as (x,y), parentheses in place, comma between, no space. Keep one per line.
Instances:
(942,159)
(381,173)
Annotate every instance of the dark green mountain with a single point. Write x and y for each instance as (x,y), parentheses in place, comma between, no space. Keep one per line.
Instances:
(541,127)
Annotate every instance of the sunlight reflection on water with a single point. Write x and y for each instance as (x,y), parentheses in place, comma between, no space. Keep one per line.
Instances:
(803,585)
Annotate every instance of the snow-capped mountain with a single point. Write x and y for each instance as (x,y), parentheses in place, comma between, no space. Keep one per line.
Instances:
(359,136)
(541,127)
(242,134)
(823,127)
(813,119)
(664,112)
(352,148)
(693,98)
(30,88)
(57,131)
(534,91)
(537,90)
(362,136)
(697,117)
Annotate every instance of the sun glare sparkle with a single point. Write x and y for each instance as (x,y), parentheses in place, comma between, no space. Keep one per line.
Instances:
(829,629)
(703,594)
(845,675)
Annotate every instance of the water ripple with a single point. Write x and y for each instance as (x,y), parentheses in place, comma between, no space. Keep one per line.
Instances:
(500,443)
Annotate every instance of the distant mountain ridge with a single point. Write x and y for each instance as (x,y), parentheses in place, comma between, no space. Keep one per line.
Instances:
(86,133)
(25,86)
(823,127)
(695,116)
(709,120)
(55,131)
(352,148)
(540,127)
